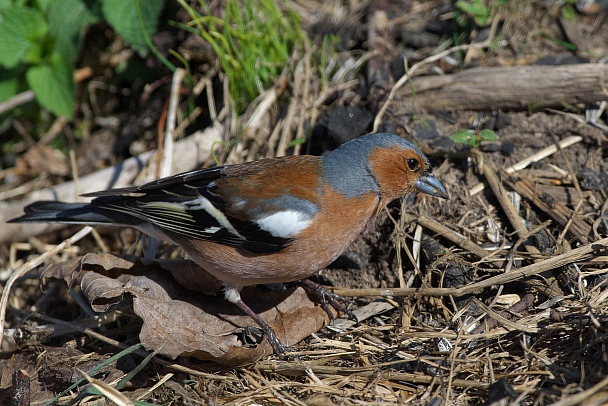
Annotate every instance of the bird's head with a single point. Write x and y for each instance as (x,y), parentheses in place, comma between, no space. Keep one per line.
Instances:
(384,163)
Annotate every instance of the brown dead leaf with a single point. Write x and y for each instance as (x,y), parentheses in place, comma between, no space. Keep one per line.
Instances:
(102,292)
(42,159)
(192,276)
(179,321)
(73,271)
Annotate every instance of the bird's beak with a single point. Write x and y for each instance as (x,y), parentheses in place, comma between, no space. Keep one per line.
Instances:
(429,184)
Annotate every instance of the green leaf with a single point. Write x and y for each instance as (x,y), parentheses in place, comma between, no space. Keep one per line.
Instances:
(94,370)
(42,5)
(297,141)
(68,20)
(568,45)
(20,28)
(34,55)
(477,9)
(9,84)
(124,17)
(568,13)
(487,135)
(53,86)
(464,137)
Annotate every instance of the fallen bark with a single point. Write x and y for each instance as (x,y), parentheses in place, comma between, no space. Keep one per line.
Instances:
(517,87)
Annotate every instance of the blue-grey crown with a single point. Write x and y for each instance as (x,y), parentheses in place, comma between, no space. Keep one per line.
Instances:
(347,170)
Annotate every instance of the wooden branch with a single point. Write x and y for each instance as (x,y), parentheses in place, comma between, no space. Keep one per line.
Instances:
(518,87)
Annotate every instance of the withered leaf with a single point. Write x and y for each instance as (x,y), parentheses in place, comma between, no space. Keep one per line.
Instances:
(191,275)
(42,159)
(183,321)
(103,292)
(73,271)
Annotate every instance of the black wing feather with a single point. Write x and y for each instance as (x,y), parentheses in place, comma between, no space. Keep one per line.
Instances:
(150,202)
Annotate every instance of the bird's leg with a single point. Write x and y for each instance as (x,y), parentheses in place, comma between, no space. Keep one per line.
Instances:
(328,298)
(232,294)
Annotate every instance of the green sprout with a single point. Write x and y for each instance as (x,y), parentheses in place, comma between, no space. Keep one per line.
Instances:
(474,140)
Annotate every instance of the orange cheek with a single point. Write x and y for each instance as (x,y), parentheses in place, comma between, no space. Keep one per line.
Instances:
(389,166)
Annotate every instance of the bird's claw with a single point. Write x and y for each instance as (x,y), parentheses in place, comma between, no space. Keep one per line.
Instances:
(328,298)
(277,347)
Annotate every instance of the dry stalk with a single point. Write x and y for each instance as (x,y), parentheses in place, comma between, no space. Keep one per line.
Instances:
(598,249)
(291,369)
(554,209)
(588,397)
(28,266)
(501,194)
(457,238)
(540,155)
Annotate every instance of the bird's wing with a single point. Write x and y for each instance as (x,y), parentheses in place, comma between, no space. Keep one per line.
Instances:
(207,205)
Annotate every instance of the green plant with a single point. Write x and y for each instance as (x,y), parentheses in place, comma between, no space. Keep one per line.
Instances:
(96,369)
(479,11)
(40,41)
(474,141)
(253,43)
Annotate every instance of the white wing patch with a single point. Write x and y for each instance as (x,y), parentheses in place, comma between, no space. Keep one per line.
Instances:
(284,224)
(212,230)
(202,203)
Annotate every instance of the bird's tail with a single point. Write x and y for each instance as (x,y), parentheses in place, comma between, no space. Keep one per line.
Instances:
(70,213)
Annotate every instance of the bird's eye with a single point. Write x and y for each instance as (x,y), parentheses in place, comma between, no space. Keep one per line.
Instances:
(413,164)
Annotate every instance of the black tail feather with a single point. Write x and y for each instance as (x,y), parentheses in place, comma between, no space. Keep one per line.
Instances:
(71,213)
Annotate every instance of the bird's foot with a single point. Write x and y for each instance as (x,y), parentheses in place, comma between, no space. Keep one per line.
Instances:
(279,348)
(271,336)
(328,298)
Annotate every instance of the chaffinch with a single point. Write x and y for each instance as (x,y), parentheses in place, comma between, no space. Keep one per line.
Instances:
(268,221)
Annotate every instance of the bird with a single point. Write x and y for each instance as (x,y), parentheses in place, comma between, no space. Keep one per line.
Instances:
(268,221)
(591,7)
